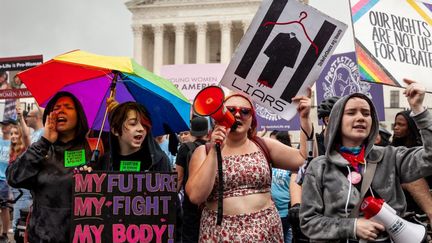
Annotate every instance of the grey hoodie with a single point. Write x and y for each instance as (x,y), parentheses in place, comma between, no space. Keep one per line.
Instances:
(326,187)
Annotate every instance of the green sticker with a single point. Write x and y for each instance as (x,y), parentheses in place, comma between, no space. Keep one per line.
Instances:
(130,166)
(74,158)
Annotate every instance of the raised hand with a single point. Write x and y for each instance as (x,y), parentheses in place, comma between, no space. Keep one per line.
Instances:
(415,94)
(304,104)
(50,130)
(19,112)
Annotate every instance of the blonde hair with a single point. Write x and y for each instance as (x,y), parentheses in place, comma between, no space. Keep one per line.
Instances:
(18,148)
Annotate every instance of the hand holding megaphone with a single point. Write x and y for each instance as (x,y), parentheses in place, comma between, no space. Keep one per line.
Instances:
(210,102)
(367,229)
(219,135)
(400,230)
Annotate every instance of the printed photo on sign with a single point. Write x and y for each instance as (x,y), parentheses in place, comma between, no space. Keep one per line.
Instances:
(393,40)
(124,207)
(282,53)
(11,86)
(340,77)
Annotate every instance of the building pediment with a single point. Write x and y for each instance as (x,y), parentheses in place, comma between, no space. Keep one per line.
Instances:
(136,4)
(170,2)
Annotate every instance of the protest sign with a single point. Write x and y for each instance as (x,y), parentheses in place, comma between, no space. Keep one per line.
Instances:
(191,78)
(340,77)
(15,93)
(19,63)
(124,207)
(11,86)
(393,40)
(282,53)
(268,120)
(10,66)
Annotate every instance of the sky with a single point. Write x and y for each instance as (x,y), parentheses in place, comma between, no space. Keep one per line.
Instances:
(53,27)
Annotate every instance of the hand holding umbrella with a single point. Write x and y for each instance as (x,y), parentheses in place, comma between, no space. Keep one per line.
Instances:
(111,104)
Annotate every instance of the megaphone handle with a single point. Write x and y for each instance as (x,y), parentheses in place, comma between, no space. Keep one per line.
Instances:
(220,185)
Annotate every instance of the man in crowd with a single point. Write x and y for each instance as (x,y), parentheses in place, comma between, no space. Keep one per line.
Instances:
(191,212)
(34,121)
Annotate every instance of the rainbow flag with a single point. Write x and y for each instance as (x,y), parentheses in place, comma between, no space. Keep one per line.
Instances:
(370,68)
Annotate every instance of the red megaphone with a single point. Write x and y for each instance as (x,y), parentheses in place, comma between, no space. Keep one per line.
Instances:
(210,102)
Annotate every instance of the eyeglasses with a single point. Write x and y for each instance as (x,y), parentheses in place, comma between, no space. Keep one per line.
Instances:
(245,112)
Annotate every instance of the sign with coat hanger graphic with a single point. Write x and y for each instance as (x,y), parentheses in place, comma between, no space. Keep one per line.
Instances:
(393,40)
(282,53)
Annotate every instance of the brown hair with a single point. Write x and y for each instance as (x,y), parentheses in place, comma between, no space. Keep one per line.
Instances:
(19,147)
(119,115)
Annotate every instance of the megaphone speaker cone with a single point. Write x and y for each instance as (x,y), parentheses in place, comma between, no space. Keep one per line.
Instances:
(210,102)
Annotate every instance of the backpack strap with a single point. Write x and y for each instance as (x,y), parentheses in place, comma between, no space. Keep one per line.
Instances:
(191,146)
(367,181)
(207,146)
(263,146)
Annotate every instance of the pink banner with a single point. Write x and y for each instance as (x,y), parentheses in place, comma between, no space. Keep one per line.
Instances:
(15,93)
(191,78)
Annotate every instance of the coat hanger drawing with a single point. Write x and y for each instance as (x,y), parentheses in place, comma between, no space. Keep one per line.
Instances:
(302,16)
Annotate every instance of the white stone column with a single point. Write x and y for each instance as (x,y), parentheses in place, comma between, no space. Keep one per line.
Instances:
(245,25)
(158,30)
(225,41)
(179,43)
(138,33)
(201,29)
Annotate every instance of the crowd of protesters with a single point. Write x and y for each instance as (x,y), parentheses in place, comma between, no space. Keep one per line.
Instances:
(261,200)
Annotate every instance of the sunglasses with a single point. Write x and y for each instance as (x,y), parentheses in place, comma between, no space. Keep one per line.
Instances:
(244,112)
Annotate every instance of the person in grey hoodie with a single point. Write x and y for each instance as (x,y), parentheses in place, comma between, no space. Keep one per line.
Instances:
(328,196)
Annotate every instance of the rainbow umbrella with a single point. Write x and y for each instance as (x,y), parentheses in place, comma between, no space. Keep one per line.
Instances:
(89,76)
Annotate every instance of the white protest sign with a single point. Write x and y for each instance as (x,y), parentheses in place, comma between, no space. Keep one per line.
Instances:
(282,53)
(393,40)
